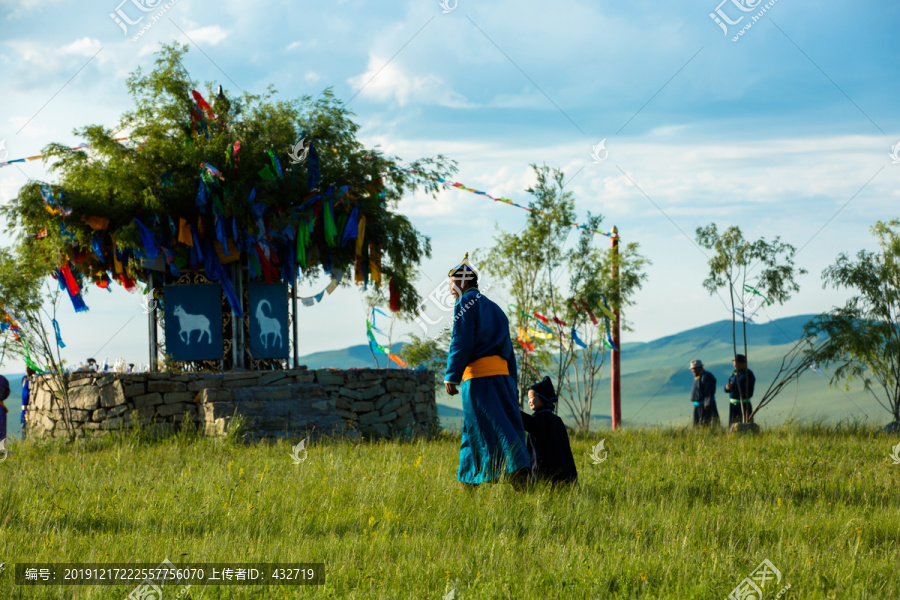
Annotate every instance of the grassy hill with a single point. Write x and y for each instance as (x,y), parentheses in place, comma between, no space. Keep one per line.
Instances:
(354,357)
(656,380)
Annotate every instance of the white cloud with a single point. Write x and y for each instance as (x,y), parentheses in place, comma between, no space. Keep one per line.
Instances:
(384,80)
(211,35)
(84,47)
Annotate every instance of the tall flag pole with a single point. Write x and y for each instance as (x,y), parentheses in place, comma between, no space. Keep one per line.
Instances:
(616,373)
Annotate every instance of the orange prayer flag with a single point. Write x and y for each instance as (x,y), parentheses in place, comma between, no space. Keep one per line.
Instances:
(96,223)
(360,235)
(233,252)
(116,262)
(375,263)
(184,233)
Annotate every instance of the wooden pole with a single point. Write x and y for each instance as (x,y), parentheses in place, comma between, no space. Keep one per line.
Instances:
(616,372)
(151,322)
(296,322)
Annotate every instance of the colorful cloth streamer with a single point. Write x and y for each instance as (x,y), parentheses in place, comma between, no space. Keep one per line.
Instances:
(815,367)
(351,228)
(378,310)
(397,360)
(587,309)
(204,106)
(58,336)
(753,290)
(40,156)
(276,164)
(745,316)
(217,272)
(28,361)
(529,347)
(97,247)
(604,308)
(610,343)
(394,300)
(73,289)
(373,343)
(577,339)
(212,171)
(147,239)
(540,334)
(450,184)
(329,227)
(311,300)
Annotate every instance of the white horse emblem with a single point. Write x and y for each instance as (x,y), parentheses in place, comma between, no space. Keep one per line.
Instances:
(268,325)
(189,323)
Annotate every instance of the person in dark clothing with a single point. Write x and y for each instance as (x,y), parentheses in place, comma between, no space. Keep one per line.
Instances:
(548,442)
(740,390)
(4,394)
(703,396)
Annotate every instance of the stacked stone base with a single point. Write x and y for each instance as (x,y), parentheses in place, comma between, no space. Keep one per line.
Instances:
(271,404)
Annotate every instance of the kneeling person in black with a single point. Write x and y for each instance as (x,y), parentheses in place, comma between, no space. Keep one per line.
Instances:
(548,442)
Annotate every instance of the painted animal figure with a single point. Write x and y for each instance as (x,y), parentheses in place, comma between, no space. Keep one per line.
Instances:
(268,325)
(189,323)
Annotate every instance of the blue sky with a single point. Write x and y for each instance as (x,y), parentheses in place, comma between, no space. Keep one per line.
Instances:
(785,132)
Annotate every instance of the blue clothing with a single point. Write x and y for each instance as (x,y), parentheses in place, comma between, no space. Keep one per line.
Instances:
(493,437)
(741,386)
(26,395)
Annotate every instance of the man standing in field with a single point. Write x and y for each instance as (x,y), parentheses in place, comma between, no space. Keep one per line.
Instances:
(740,388)
(481,362)
(703,395)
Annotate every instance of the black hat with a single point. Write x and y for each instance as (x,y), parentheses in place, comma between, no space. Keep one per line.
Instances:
(740,358)
(544,389)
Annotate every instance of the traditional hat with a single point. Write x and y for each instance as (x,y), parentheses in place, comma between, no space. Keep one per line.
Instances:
(544,389)
(465,265)
(696,363)
(464,271)
(740,358)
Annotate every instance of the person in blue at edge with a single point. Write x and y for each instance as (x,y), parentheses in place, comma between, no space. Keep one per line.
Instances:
(548,441)
(481,365)
(26,394)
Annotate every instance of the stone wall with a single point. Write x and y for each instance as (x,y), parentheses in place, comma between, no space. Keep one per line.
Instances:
(289,403)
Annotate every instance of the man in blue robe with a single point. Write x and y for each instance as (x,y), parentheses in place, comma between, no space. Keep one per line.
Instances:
(482,366)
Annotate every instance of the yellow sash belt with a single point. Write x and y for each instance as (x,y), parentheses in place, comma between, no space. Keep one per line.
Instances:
(485,367)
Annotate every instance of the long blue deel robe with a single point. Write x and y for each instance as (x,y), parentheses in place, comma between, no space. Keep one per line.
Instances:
(493,436)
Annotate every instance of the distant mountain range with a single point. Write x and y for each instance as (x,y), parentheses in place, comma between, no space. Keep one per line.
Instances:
(656,380)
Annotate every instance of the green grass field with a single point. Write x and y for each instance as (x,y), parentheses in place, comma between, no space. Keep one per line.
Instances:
(671,513)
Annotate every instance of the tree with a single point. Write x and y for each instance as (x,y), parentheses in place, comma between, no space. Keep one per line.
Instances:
(732,266)
(429,353)
(591,283)
(862,338)
(797,361)
(531,265)
(198,179)
(523,261)
(28,308)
